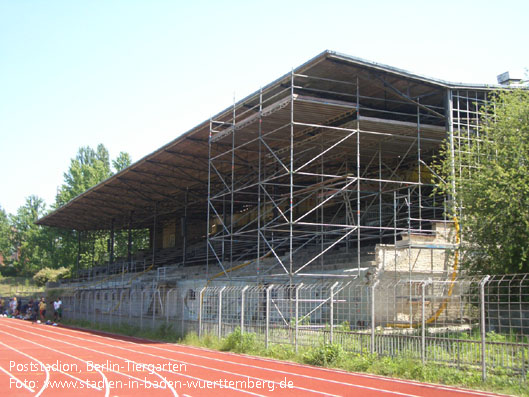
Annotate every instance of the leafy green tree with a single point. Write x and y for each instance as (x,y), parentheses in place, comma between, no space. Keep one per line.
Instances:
(5,232)
(492,188)
(87,169)
(29,242)
(35,247)
(121,162)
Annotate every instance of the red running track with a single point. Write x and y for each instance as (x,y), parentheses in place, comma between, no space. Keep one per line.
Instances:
(42,360)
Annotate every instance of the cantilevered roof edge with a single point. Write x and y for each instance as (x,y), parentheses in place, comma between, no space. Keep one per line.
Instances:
(318,58)
(181,137)
(408,74)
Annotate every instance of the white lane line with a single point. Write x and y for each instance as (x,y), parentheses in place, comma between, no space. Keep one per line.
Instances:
(18,380)
(286,363)
(98,370)
(290,364)
(344,372)
(46,381)
(293,364)
(244,365)
(132,361)
(206,367)
(107,386)
(61,371)
(332,371)
(353,385)
(174,360)
(278,371)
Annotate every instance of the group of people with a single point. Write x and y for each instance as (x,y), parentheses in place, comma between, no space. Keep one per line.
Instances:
(31,310)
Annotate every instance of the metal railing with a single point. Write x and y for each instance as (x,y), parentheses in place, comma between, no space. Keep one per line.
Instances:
(466,322)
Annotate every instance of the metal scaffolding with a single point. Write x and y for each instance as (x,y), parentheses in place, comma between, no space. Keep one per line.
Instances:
(330,159)
(317,164)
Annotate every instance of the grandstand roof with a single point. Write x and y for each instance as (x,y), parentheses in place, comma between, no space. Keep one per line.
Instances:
(162,178)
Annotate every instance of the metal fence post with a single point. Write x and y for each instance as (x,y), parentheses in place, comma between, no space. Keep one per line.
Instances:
(200,296)
(74,305)
(130,304)
(523,363)
(120,305)
(242,308)
(141,309)
(423,323)
(110,309)
(220,312)
(182,298)
(482,326)
(296,333)
(331,334)
(154,290)
(267,319)
(373,316)
(166,307)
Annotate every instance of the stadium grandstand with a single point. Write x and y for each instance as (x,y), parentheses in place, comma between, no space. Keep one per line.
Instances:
(304,213)
(324,172)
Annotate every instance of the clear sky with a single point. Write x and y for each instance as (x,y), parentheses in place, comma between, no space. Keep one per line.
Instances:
(134,74)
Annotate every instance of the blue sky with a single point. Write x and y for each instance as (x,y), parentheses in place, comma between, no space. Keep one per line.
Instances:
(134,75)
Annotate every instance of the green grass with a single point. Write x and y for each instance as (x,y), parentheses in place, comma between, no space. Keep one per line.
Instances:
(163,333)
(332,356)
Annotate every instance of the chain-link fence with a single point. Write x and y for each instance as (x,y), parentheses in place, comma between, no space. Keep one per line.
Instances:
(463,322)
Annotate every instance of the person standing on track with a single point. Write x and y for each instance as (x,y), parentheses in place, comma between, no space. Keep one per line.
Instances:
(35,310)
(57,310)
(13,306)
(42,309)
(19,308)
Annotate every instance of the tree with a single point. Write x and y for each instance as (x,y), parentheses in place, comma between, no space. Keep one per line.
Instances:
(29,242)
(29,247)
(87,169)
(5,232)
(122,161)
(492,190)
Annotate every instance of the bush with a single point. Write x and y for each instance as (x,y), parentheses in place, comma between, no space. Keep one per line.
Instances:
(240,342)
(207,340)
(326,354)
(359,362)
(47,274)
(280,351)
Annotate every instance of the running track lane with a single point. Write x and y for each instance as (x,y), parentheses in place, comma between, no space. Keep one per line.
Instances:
(67,361)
